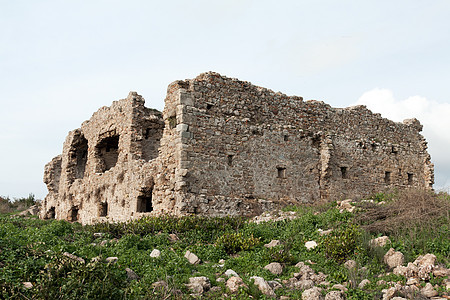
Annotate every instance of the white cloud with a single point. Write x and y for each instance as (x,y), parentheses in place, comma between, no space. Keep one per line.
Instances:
(434,117)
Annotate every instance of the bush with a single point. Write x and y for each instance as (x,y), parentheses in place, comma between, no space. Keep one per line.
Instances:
(233,242)
(342,243)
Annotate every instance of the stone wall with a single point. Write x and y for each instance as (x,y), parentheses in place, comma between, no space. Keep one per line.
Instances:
(225,147)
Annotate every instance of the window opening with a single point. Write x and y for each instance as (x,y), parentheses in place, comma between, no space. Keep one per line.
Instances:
(410,178)
(387,177)
(344,174)
(281,172)
(50,213)
(81,156)
(286,138)
(74,214)
(103,209)
(209,106)
(144,201)
(230,160)
(109,151)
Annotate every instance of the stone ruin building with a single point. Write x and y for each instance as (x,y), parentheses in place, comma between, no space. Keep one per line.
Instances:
(226,147)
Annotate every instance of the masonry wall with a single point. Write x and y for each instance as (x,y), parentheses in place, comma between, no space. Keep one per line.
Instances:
(248,148)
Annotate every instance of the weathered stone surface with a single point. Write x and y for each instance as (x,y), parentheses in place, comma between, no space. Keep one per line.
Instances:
(74,257)
(198,285)
(379,241)
(334,295)
(27,285)
(310,245)
(111,259)
(263,286)
(191,257)
(274,268)
(226,147)
(429,291)
(363,283)
(234,283)
(155,253)
(131,275)
(230,273)
(393,258)
(350,264)
(312,294)
(272,244)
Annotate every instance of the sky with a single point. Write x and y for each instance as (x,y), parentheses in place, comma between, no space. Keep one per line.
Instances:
(61,60)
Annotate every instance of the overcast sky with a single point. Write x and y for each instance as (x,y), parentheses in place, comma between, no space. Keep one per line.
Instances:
(62,60)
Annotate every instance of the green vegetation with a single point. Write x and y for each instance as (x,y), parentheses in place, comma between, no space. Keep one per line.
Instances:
(8,205)
(32,250)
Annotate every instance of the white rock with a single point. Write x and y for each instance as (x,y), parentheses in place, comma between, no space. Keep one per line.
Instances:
(379,241)
(234,283)
(220,279)
(27,285)
(340,287)
(425,261)
(131,275)
(363,283)
(199,284)
(310,245)
(231,273)
(334,295)
(325,232)
(155,253)
(112,259)
(412,281)
(429,291)
(304,284)
(312,294)
(272,244)
(393,258)
(191,257)
(263,286)
(350,264)
(274,268)
(74,257)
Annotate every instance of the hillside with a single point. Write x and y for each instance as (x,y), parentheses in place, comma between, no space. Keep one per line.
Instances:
(271,256)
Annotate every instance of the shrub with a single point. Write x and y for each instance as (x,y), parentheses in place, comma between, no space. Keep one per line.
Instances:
(233,242)
(341,243)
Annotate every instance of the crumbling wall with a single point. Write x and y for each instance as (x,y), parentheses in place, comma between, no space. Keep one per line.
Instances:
(225,147)
(248,148)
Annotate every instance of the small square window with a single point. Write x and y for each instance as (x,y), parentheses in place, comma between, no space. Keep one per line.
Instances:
(281,172)
(344,173)
(387,177)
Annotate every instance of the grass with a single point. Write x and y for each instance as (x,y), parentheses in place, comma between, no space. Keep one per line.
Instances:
(31,250)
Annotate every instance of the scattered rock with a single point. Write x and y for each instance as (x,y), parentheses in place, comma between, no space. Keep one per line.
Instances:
(324,232)
(312,294)
(272,244)
(234,283)
(304,284)
(231,273)
(274,268)
(98,234)
(173,237)
(96,259)
(191,257)
(334,295)
(310,245)
(340,287)
(389,293)
(160,284)
(131,275)
(429,291)
(274,284)
(379,241)
(393,258)
(346,205)
(350,264)
(412,281)
(112,259)
(199,285)
(27,285)
(425,261)
(220,279)
(74,257)
(263,286)
(363,283)
(32,210)
(155,253)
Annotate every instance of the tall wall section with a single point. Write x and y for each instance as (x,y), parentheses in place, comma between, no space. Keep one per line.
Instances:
(245,148)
